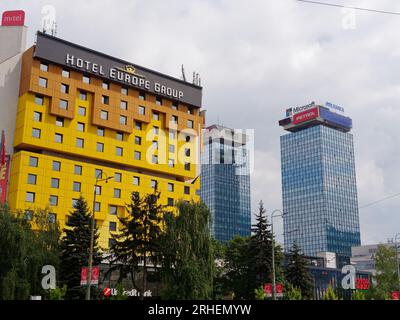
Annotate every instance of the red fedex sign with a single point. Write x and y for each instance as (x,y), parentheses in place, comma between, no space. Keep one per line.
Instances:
(306,115)
(13,18)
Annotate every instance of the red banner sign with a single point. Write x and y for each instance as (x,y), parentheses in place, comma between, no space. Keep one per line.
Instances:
(362,284)
(306,116)
(13,18)
(395,295)
(4,169)
(278,289)
(95,275)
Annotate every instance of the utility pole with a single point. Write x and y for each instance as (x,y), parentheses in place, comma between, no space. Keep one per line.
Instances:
(397,259)
(90,260)
(273,251)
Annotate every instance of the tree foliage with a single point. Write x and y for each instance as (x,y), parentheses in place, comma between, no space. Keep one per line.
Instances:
(75,246)
(330,294)
(292,293)
(187,253)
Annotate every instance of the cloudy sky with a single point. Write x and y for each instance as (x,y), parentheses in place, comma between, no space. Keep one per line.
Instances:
(255,59)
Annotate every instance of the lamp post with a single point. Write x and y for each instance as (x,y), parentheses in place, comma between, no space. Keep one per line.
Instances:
(90,260)
(273,249)
(397,259)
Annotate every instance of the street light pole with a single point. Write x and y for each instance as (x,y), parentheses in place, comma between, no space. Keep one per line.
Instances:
(90,260)
(273,250)
(397,259)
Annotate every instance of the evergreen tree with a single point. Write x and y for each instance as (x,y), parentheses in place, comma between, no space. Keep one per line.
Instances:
(187,253)
(137,238)
(260,250)
(297,274)
(75,246)
(330,294)
(292,293)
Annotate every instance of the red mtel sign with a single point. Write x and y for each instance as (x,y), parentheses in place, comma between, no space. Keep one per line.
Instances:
(306,116)
(362,284)
(13,18)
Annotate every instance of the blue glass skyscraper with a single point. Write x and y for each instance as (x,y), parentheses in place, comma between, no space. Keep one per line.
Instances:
(319,188)
(225,182)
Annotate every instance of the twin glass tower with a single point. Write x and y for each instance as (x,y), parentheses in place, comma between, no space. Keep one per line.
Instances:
(319,181)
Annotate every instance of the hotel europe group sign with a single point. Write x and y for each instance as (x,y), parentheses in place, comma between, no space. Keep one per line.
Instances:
(72,56)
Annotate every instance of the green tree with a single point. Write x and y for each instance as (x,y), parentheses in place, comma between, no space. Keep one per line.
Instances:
(137,239)
(259,293)
(358,295)
(330,294)
(187,253)
(297,274)
(292,293)
(75,246)
(24,252)
(58,293)
(386,273)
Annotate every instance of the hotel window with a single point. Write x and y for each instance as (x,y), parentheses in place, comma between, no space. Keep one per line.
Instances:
(32,178)
(78,170)
(137,155)
(100,132)
(118,151)
(53,200)
(97,206)
(64,88)
(44,67)
(113,210)
(39,100)
(52,217)
(170,202)
(187,152)
(124,105)
(171,163)
(113,226)
(155,145)
(80,127)
(98,190)
(82,95)
(171,148)
(153,184)
(154,159)
(30,197)
(55,183)
(28,215)
(76,186)
(58,138)
(123,120)
(170,187)
(120,136)
(172,135)
(64,104)
(158,101)
(187,138)
(65,73)
(117,177)
(117,193)
(33,162)
(187,166)
(136,181)
(156,116)
(174,106)
(86,79)
(138,125)
(124,91)
(105,100)
(111,242)
(37,116)
(103,115)
(186,190)
(56,166)
(142,96)
(141,110)
(190,110)
(100,147)
(190,124)
(155,130)
(35,133)
(43,82)
(174,119)
(80,142)
(98,173)
(82,111)
(59,122)
(106,86)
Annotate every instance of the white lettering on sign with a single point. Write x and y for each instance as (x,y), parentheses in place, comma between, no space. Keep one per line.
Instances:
(349,280)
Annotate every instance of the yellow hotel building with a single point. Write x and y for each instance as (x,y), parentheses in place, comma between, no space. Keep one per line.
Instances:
(83,115)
